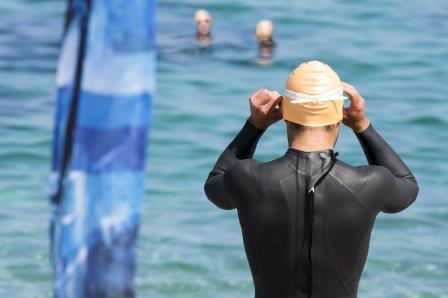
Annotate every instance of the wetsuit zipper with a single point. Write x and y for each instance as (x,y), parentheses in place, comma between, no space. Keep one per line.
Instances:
(309,227)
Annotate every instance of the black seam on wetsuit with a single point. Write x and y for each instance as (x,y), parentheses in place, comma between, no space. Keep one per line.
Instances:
(281,181)
(332,260)
(260,191)
(251,181)
(297,170)
(326,238)
(365,242)
(258,255)
(249,233)
(354,194)
(331,174)
(360,191)
(302,244)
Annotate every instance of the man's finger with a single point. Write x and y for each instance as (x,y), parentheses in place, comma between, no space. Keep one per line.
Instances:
(273,102)
(276,97)
(347,85)
(356,99)
(255,94)
(253,97)
(263,97)
(350,90)
(275,94)
(258,97)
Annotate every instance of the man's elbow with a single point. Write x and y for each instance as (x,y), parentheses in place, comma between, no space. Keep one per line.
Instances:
(210,193)
(414,192)
(412,186)
(407,198)
(412,196)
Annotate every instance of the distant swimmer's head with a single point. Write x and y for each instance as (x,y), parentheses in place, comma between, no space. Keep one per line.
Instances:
(203,22)
(313,96)
(264,32)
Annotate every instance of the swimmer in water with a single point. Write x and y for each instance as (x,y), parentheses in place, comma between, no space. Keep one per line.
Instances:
(306,217)
(264,32)
(203,22)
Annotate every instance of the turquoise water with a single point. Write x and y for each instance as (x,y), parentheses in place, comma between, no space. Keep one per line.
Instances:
(395,52)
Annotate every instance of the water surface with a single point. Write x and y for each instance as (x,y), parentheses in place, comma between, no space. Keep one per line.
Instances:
(395,52)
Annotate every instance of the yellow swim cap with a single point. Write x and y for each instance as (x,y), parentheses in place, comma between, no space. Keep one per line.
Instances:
(202,15)
(313,95)
(264,30)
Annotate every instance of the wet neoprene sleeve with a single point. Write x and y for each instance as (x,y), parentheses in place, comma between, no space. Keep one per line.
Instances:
(242,147)
(379,153)
(399,187)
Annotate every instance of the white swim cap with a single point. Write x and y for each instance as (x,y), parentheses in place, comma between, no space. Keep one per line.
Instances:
(202,15)
(264,30)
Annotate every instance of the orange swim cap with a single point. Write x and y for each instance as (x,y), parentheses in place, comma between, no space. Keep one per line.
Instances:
(313,95)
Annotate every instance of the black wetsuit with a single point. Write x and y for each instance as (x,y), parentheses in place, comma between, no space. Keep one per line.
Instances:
(302,241)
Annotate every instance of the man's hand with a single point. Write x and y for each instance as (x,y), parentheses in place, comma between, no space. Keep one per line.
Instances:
(354,115)
(263,108)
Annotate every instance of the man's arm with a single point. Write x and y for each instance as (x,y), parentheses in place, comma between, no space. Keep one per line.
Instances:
(222,182)
(218,187)
(398,185)
(379,153)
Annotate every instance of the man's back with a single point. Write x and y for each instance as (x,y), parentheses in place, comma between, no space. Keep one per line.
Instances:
(306,217)
(303,243)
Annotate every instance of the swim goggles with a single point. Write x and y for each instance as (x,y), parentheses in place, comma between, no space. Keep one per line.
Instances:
(296,97)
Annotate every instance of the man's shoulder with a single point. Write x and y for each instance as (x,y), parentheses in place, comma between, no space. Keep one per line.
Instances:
(373,172)
(241,171)
(259,171)
(354,177)
(342,167)
(243,166)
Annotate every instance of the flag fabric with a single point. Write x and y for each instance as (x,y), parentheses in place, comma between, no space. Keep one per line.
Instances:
(105,86)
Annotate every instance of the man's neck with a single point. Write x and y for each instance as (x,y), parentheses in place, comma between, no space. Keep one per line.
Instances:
(312,141)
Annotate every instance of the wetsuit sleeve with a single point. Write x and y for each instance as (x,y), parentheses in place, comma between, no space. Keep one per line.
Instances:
(397,185)
(222,186)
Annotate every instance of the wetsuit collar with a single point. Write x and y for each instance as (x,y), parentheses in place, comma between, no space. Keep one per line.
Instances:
(320,153)
(310,163)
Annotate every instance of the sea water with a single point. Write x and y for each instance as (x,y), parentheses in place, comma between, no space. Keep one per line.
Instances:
(395,52)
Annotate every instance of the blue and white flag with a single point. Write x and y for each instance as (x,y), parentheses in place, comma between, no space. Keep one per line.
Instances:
(105,84)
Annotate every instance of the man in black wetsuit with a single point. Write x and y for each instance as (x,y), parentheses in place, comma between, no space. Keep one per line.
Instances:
(307,217)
